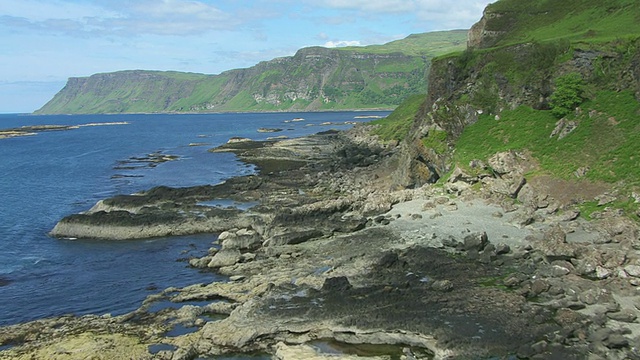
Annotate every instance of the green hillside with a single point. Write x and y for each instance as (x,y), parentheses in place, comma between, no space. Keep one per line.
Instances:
(539,66)
(315,78)
(575,20)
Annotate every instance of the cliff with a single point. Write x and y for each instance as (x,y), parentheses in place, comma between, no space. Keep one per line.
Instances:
(534,70)
(315,78)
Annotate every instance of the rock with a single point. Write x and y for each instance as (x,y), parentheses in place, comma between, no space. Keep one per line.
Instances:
(539,347)
(200,263)
(459,175)
(616,341)
(246,257)
(570,215)
(605,199)
(587,265)
(502,249)
(538,287)
(442,285)
(589,297)
(507,186)
(476,241)
(416,216)
(243,239)
(450,241)
(294,237)
(237,277)
(505,162)
(558,271)
(336,284)
(600,335)
(602,272)
(225,257)
(514,280)
(624,315)
(554,245)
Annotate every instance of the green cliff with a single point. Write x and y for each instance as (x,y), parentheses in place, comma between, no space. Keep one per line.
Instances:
(558,81)
(315,78)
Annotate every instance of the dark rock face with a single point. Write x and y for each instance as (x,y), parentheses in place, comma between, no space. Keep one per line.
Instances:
(337,284)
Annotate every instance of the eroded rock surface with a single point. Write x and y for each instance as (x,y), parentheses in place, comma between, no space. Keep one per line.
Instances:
(488,266)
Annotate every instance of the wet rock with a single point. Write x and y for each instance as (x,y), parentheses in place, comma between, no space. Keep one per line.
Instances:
(200,263)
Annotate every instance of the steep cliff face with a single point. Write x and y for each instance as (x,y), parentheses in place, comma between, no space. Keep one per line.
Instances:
(598,41)
(314,78)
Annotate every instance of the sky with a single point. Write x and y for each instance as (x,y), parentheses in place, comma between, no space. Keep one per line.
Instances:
(44,42)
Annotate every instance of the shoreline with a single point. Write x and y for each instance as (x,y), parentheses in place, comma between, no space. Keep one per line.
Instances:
(333,253)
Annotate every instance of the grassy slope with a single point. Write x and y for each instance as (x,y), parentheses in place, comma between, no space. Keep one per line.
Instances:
(429,44)
(396,126)
(574,20)
(607,139)
(380,85)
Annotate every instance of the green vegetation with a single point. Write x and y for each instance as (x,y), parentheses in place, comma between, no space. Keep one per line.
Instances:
(588,21)
(606,141)
(568,94)
(428,44)
(437,141)
(397,125)
(316,78)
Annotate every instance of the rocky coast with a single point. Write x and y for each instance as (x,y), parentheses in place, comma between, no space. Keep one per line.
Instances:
(333,258)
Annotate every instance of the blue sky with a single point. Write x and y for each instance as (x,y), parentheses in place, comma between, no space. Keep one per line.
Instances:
(44,42)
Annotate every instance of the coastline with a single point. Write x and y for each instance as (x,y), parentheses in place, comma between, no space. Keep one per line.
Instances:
(333,253)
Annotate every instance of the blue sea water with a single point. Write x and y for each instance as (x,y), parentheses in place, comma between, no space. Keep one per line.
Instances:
(52,174)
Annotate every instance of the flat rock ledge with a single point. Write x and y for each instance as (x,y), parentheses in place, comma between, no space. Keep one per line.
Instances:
(334,263)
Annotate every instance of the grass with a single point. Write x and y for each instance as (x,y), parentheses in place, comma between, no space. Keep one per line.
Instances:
(430,44)
(606,141)
(397,125)
(589,21)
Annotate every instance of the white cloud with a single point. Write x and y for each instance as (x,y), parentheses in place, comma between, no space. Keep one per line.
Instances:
(161,17)
(340,43)
(443,13)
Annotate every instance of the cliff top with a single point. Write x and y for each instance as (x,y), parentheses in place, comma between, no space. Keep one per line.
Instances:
(508,22)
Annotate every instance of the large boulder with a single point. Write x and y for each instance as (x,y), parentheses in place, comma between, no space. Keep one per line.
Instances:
(225,257)
(243,239)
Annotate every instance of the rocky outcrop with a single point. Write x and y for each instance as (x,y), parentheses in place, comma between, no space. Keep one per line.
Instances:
(482,34)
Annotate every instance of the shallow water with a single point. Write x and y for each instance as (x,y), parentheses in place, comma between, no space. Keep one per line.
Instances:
(53,174)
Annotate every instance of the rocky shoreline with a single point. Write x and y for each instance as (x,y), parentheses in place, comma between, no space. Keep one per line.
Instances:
(333,255)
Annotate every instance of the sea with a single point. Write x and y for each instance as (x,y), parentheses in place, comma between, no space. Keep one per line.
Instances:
(51,174)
